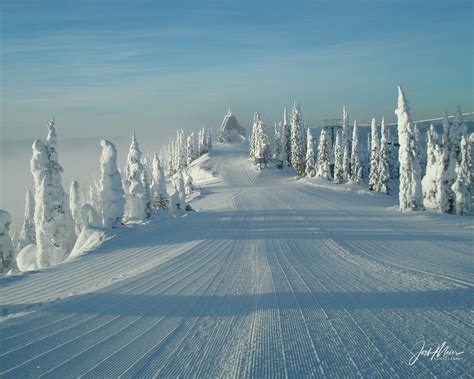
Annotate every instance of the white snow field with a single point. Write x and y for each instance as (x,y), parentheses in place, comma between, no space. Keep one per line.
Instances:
(270,278)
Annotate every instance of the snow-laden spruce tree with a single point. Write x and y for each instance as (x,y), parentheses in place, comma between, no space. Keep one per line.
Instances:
(447,173)
(189,149)
(456,131)
(462,185)
(253,135)
(322,165)
(280,143)
(346,147)
(429,182)
(6,246)
(209,141)
(262,142)
(310,164)
(188,183)
(180,151)
(54,226)
(75,205)
(297,141)
(179,184)
(138,202)
(27,234)
(111,194)
(287,135)
(170,168)
(374,156)
(410,194)
(339,175)
(383,168)
(158,187)
(357,170)
(202,145)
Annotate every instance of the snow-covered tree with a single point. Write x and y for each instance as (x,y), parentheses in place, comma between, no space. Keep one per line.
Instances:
(410,194)
(383,168)
(209,141)
(374,156)
(202,145)
(447,173)
(6,246)
(158,188)
(75,205)
(188,183)
(297,141)
(456,131)
(287,135)
(138,202)
(429,182)
(54,226)
(189,149)
(322,166)
(171,169)
(280,144)
(462,185)
(27,234)
(357,171)
(346,148)
(262,143)
(111,194)
(310,164)
(253,135)
(339,175)
(180,190)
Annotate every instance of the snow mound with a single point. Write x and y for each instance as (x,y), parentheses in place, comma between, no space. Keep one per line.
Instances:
(201,170)
(89,239)
(26,258)
(350,186)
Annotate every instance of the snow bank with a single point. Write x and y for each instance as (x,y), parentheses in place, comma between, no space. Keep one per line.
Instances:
(89,239)
(201,170)
(26,258)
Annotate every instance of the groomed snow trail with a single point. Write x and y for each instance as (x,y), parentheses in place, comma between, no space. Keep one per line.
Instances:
(271,278)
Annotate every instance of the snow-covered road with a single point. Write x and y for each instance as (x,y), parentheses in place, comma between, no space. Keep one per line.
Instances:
(272,278)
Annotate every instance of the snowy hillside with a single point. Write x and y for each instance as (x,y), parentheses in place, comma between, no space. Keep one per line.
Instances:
(269,277)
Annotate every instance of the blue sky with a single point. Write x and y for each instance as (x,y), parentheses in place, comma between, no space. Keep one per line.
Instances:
(110,67)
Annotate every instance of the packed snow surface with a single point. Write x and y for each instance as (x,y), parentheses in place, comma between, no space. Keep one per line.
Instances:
(270,277)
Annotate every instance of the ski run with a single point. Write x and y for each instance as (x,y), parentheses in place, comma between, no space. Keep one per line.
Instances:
(270,277)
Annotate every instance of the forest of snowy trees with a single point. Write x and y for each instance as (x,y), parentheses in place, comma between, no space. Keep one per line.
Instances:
(438,177)
(54,220)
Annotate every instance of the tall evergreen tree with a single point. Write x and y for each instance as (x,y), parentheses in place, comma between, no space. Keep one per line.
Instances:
(7,259)
(447,176)
(138,203)
(357,173)
(383,168)
(462,185)
(287,132)
(346,148)
(253,135)
(27,234)
(53,222)
(310,166)
(339,174)
(323,169)
(111,194)
(75,204)
(189,149)
(297,141)
(429,182)
(158,187)
(410,196)
(374,156)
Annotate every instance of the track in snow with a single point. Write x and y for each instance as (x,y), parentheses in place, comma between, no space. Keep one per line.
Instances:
(272,278)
